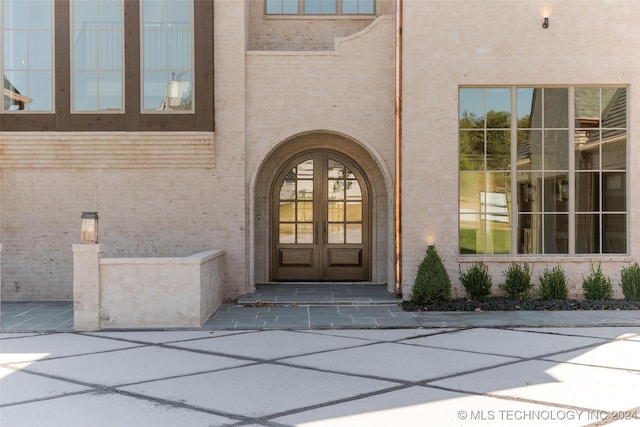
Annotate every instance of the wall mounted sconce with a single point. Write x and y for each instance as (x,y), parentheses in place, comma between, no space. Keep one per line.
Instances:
(89,227)
(562,190)
(527,192)
(545,23)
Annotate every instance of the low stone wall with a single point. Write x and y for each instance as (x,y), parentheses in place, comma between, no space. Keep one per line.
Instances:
(145,293)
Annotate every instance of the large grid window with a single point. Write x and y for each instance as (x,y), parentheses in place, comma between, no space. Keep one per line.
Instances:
(543,170)
(167,59)
(119,65)
(320,7)
(27,55)
(97,27)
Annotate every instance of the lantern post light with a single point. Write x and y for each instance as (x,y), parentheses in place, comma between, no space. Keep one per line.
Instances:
(89,227)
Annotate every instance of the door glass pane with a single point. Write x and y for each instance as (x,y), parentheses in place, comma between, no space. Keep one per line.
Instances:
(305,233)
(336,211)
(287,211)
(354,233)
(336,233)
(288,189)
(305,169)
(287,233)
(305,189)
(335,170)
(354,211)
(305,212)
(354,192)
(336,189)
(296,205)
(167,31)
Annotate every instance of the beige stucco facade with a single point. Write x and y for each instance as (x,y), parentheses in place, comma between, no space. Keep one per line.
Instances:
(285,85)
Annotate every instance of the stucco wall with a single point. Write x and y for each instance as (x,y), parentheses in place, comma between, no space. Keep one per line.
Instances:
(500,43)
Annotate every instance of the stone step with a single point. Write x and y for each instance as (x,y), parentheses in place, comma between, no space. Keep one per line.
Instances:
(319,293)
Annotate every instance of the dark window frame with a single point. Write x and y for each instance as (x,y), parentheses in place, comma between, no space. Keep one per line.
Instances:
(132,118)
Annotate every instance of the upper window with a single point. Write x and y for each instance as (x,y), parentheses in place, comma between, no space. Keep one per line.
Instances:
(320,7)
(97,49)
(27,55)
(543,170)
(167,59)
(111,57)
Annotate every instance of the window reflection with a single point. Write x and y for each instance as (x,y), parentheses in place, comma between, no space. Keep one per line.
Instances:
(353,7)
(543,165)
(344,209)
(546,182)
(97,55)
(167,61)
(319,7)
(295,215)
(27,62)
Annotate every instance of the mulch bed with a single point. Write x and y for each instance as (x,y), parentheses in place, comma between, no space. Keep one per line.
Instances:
(505,304)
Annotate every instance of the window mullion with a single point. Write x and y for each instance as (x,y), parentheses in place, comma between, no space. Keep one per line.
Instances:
(514,172)
(572,174)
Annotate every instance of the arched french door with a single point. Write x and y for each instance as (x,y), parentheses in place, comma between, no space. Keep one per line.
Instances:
(321,227)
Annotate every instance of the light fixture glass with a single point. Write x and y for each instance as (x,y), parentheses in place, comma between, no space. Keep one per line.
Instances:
(89,227)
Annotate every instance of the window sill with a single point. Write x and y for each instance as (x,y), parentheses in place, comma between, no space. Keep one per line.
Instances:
(551,258)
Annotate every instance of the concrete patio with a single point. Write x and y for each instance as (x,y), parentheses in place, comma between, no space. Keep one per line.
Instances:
(334,377)
(322,357)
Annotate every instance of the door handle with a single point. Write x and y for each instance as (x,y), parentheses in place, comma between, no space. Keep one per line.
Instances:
(324,232)
(315,233)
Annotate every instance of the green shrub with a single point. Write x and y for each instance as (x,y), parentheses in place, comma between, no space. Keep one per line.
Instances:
(517,283)
(597,286)
(433,283)
(477,281)
(630,282)
(553,284)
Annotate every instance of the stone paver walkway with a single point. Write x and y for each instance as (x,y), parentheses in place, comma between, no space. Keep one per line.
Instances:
(319,306)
